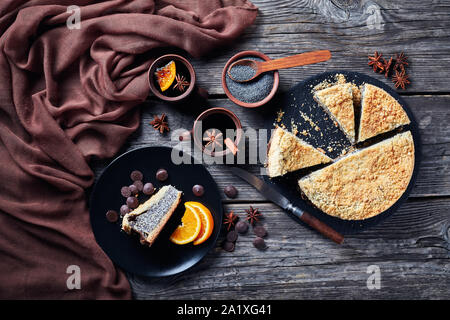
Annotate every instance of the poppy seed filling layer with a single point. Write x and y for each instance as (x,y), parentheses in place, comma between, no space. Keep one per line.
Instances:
(147,221)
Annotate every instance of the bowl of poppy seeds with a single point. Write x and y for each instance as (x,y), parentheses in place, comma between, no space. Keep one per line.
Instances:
(254,93)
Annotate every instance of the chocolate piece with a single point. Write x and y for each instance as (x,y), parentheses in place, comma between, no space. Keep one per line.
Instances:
(112,216)
(136,175)
(259,243)
(124,209)
(139,185)
(125,192)
(133,189)
(230,192)
(260,231)
(148,189)
(162,175)
(132,202)
(198,190)
(242,227)
(232,236)
(228,246)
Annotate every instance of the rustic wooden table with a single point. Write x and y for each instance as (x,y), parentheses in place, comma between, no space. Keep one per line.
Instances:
(411,248)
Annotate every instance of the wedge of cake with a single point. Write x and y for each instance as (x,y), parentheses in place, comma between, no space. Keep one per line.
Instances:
(289,153)
(380,113)
(149,218)
(337,101)
(356,92)
(364,183)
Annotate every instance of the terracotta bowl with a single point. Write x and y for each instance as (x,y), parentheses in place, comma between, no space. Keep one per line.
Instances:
(241,55)
(163,60)
(198,136)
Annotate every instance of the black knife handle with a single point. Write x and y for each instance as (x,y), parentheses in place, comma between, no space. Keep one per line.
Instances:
(316,224)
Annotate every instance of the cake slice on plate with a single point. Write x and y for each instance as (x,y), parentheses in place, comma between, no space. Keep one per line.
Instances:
(337,101)
(289,153)
(364,183)
(380,113)
(149,218)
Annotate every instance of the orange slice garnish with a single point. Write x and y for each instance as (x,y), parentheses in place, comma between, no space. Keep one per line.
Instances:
(166,75)
(189,229)
(207,221)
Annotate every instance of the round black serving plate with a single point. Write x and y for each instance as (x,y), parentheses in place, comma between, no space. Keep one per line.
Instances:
(299,98)
(163,258)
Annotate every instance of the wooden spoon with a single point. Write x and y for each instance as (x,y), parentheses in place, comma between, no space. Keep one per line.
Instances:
(283,63)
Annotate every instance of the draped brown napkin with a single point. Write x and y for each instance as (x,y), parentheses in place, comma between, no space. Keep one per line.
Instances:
(67,95)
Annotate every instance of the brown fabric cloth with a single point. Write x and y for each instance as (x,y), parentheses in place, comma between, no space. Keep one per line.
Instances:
(67,95)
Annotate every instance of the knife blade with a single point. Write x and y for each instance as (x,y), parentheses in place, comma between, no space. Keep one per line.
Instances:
(280,200)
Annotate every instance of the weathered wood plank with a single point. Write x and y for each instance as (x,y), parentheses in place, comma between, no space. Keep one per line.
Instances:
(432,114)
(412,249)
(419,28)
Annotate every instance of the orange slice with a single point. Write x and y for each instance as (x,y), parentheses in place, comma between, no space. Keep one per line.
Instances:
(166,75)
(207,221)
(189,229)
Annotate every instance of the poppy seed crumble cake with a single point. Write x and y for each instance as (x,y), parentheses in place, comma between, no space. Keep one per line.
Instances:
(380,113)
(289,153)
(149,218)
(364,183)
(337,101)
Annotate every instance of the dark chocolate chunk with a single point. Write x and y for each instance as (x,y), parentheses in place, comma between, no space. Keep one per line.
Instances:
(232,236)
(132,202)
(139,185)
(148,189)
(133,189)
(259,243)
(112,216)
(136,175)
(230,191)
(124,209)
(228,246)
(198,190)
(242,227)
(125,192)
(260,231)
(162,175)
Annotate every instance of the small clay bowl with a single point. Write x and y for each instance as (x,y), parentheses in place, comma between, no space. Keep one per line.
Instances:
(246,54)
(198,135)
(163,60)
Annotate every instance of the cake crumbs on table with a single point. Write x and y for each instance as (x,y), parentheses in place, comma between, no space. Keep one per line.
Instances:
(280,115)
(305,133)
(294,127)
(312,123)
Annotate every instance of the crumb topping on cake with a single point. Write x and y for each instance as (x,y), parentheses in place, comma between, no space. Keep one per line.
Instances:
(338,102)
(380,113)
(365,183)
(289,153)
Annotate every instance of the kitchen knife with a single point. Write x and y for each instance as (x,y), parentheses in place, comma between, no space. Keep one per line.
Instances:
(274,196)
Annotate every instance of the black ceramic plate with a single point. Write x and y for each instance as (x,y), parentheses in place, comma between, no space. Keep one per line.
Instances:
(163,258)
(298,104)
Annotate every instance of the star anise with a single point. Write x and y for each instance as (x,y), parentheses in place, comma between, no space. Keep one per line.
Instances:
(160,123)
(387,67)
(375,62)
(213,139)
(230,219)
(253,215)
(401,60)
(181,83)
(400,79)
